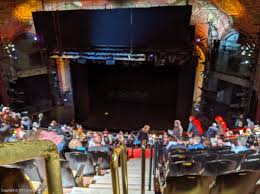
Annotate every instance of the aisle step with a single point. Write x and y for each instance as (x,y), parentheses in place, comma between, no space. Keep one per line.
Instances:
(76,190)
(103,184)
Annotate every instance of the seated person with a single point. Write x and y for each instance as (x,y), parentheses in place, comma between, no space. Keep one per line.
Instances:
(75,144)
(196,144)
(240,145)
(177,129)
(48,135)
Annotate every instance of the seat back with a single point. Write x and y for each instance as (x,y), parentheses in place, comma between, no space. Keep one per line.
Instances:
(236,182)
(188,184)
(101,157)
(67,177)
(179,157)
(184,168)
(247,152)
(203,158)
(30,169)
(217,167)
(250,165)
(253,156)
(234,157)
(76,159)
(13,181)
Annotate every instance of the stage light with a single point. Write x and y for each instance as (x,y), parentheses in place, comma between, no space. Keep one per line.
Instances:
(246,62)
(106,113)
(249,54)
(243,53)
(13,49)
(198,40)
(10,55)
(35,38)
(6,47)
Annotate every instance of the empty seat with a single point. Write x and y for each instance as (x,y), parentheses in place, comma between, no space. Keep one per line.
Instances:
(184,168)
(176,151)
(219,149)
(76,159)
(188,184)
(216,167)
(250,165)
(13,181)
(235,157)
(243,182)
(67,175)
(30,169)
(101,157)
(203,158)
(247,152)
(179,157)
(253,156)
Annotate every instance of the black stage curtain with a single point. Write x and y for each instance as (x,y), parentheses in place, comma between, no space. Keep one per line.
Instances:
(141,28)
(117,97)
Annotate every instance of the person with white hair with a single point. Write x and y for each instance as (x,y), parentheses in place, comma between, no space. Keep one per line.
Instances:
(177,129)
(250,124)
(212,131)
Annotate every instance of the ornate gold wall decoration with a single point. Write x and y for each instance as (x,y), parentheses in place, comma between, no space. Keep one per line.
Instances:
(231,7)
(24,11)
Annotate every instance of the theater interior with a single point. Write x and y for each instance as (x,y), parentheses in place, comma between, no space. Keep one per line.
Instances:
(130,96)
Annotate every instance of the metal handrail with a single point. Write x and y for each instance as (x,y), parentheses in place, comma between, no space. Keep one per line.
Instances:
(119,151)
(150,168)
(143,147)
(26,150)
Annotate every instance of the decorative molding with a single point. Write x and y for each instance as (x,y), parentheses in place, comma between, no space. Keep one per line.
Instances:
(32,72)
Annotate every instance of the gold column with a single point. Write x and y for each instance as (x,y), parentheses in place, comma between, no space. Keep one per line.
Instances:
(26,150)
(199,77)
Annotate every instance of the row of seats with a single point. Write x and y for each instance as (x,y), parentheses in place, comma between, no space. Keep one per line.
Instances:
(243,182)
(211,171)
(76,168)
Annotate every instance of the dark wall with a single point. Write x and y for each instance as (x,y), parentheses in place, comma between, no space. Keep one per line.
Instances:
(32,92)
(185,92)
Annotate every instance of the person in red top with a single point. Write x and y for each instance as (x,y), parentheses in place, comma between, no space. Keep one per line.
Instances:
(194,128)
(221,124)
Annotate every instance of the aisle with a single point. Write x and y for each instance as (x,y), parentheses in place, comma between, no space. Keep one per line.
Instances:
(103,184)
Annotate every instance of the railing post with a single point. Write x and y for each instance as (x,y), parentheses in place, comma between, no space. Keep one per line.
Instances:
(124,170)
(143,168)
(155,157)
(119,151)
(150,167)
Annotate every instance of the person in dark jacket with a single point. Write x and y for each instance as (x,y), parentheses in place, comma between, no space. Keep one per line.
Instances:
(212,131)
(143,134)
